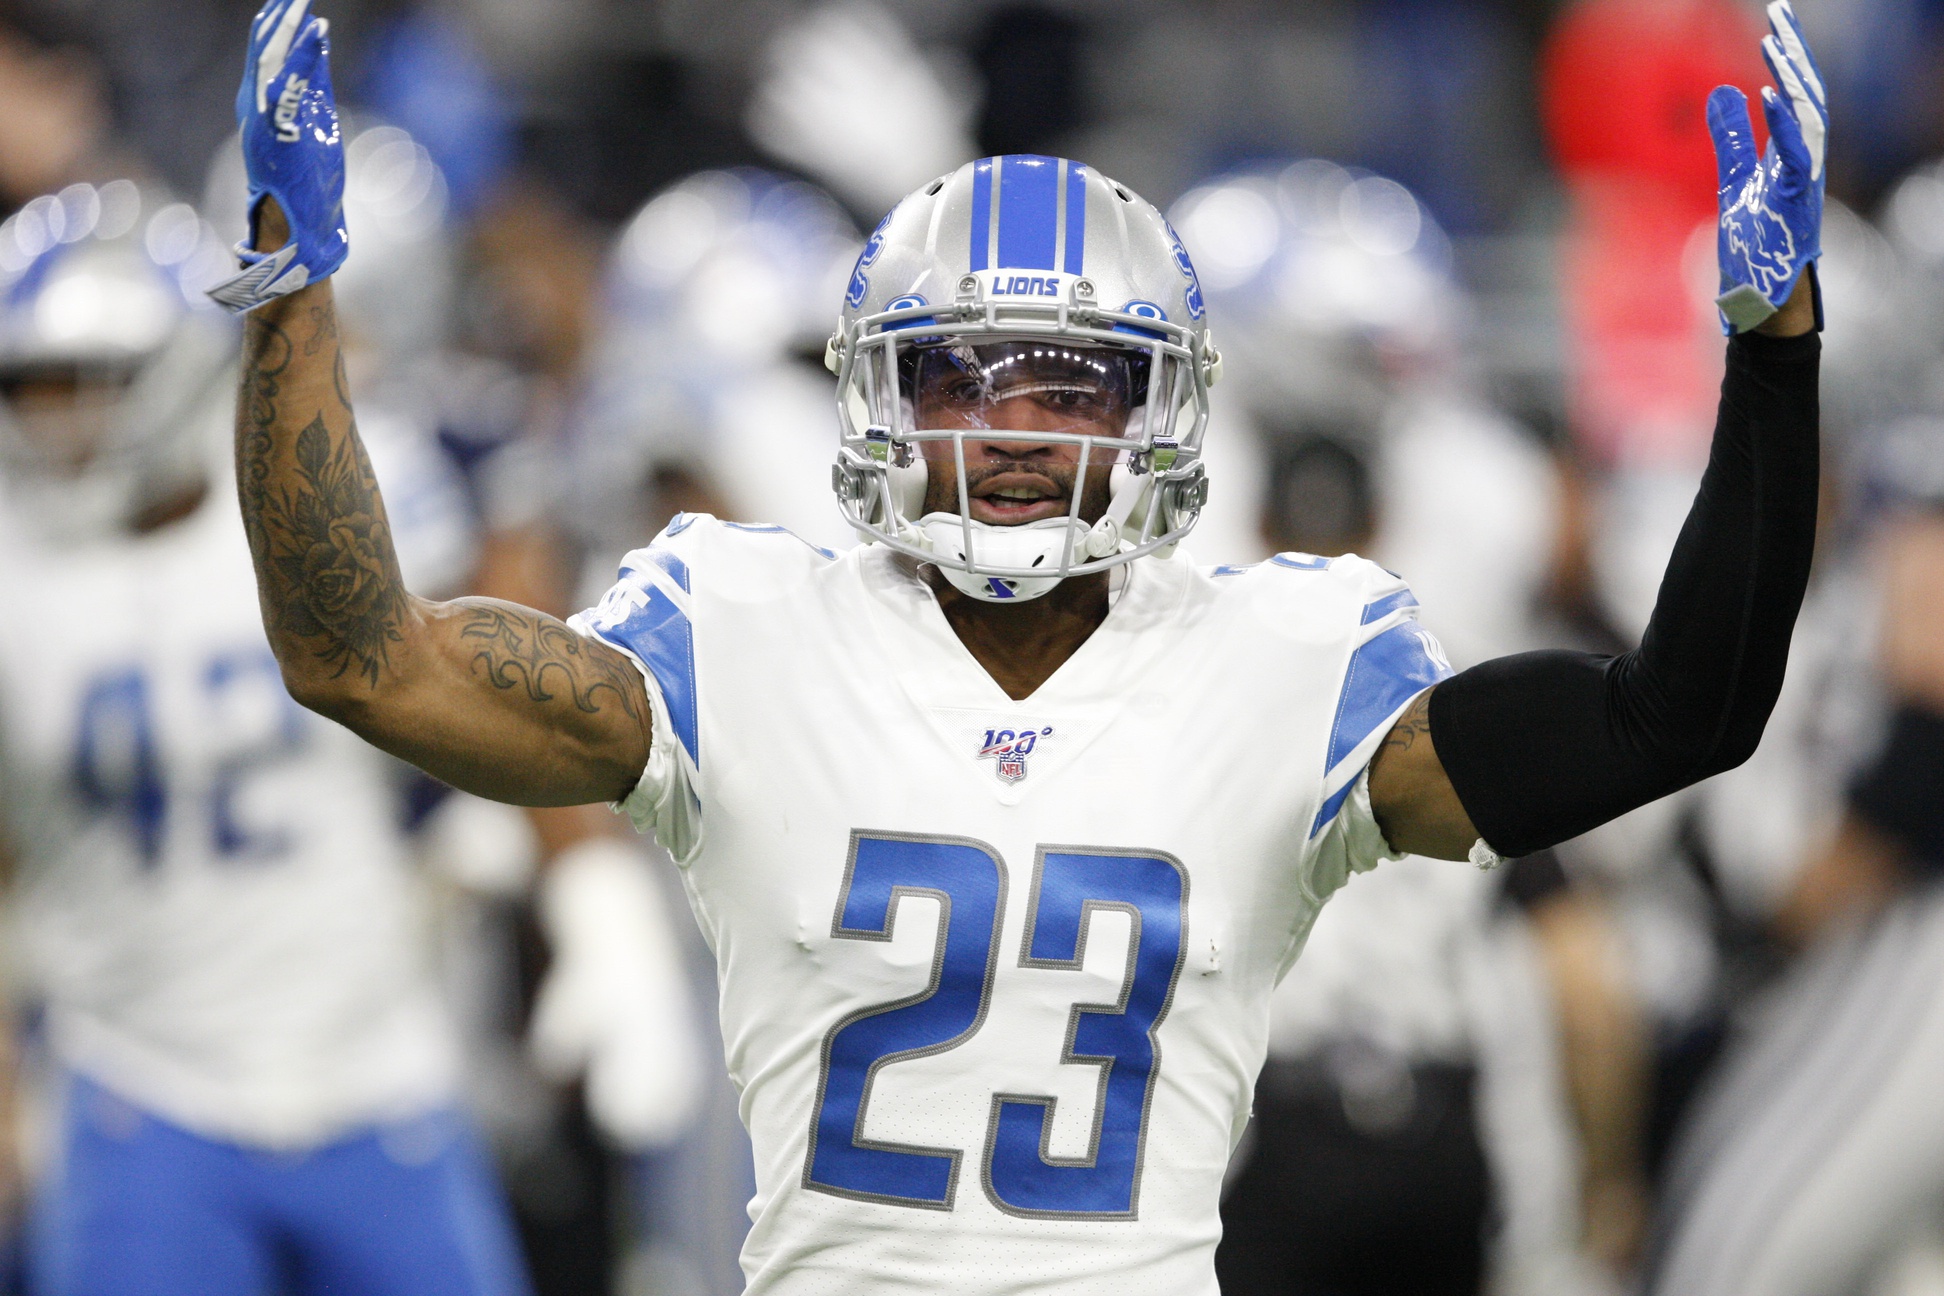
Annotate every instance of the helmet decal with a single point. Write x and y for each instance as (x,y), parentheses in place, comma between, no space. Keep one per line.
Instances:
(984,242)
(1029,200)
(1028,213)
(1074,215)
(1146,310)
(905,303)
(1195,307)
(860,283)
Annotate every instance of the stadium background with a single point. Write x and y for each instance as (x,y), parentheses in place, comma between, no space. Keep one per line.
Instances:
(1459,255)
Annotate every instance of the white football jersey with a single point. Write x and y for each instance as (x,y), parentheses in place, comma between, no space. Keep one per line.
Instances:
(215,903)
(995,975)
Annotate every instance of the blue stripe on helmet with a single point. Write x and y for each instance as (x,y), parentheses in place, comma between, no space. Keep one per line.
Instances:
(1076,219)
(1029,210)
(981,212)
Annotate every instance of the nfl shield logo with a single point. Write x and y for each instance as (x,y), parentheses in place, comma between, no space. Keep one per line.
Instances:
(1008,749)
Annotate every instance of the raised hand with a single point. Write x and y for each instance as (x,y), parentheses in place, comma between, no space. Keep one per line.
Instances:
(1771,205)
(491,697)
(293,152)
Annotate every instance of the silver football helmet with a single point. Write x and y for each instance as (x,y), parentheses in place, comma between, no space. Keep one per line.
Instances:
(1025,301)
(116,373)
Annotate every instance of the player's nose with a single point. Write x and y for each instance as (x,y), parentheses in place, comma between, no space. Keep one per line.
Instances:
(1043,451)
(1024,414)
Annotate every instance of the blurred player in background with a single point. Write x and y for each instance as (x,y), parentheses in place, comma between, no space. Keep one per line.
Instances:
(705,388)
(216,914)
(1817,1155)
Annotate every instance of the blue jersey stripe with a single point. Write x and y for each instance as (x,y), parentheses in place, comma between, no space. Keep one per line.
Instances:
(1029,212)
(668,562)
(660,635)
(1073,259)
(1384,674)
(1331,805)
(981,213)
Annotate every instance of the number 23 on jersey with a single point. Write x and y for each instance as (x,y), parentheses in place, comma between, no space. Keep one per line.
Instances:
(968,880)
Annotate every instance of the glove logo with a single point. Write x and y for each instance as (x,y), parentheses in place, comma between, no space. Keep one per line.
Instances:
(287,102)
(1761,240)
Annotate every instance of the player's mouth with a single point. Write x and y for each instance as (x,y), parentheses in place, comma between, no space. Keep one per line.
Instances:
(1013,498)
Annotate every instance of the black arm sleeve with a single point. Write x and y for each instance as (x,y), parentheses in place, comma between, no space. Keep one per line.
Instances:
(1543,746)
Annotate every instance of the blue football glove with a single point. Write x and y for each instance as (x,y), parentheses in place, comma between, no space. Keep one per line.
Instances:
(1772,205)
(293,152)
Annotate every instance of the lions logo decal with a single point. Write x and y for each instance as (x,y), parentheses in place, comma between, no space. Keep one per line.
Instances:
(1196,308)
(860,283)
(1758,237)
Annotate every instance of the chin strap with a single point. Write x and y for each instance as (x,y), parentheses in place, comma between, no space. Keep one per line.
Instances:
(1034,544)
(1126,512)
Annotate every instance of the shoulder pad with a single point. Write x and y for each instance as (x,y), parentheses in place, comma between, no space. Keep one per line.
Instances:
(1310,586)
(702,554)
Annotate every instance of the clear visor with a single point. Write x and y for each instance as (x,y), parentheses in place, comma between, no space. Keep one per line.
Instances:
(1023,386)
(1013,415)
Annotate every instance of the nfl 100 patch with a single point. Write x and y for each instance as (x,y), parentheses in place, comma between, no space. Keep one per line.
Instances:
(1009,750)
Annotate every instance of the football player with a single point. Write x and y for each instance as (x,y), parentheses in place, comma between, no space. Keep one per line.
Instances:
(216,911)
(1004,825)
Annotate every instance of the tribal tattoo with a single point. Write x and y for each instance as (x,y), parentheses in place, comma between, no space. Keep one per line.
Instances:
(316,524)
(1414,724)
(518,649)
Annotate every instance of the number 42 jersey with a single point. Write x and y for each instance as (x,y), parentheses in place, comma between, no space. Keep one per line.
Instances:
(995,974)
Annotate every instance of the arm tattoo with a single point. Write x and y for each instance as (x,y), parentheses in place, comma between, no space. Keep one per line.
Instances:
(518,649)
(316,524)
(1414,724)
